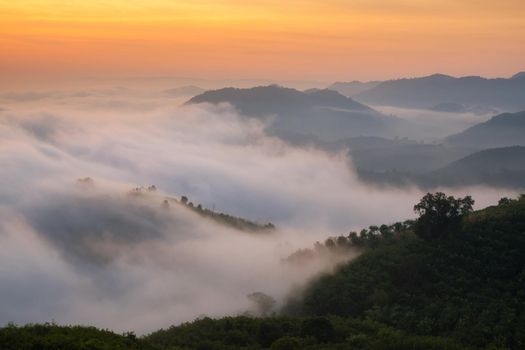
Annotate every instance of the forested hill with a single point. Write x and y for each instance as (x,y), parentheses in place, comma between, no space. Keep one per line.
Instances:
(216,216)
(452,279)
(223,218)
(466,283)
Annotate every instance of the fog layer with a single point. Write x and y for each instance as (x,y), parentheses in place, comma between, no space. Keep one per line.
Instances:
(94,254)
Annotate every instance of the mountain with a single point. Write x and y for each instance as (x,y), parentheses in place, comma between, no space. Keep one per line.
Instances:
(273,99)
(520,75)
(352,88)
(325,114)
(426,92)
(503,130)
(401,156)
(504,167)
(188,90)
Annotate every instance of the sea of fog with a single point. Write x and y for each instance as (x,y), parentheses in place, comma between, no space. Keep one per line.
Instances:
(77,254)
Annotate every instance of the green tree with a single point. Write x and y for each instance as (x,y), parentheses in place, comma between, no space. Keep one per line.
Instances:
(319,328)
(439,215)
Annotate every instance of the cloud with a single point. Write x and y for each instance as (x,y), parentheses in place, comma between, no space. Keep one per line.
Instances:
(97,255)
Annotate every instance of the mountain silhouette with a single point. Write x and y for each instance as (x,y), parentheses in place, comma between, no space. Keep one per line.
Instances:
(427,92)
(502,167)
(507,129)
(325,114)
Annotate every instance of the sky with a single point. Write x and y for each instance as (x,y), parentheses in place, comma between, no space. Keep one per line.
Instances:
(263,39)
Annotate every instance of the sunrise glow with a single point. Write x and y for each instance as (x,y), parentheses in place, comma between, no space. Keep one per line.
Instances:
(329,40)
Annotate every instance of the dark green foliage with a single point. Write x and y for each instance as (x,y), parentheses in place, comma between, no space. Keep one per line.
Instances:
(440,216)
(53,337)
(369,238)
(320,328)
(462,291)
(287,343)
(292,333)
(469,286)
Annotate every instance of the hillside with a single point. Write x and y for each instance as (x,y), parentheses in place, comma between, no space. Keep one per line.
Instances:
(229,333)
(520,75)
(352,88)
(467,285)
(426,92)
(503,167)
(324,114)
(223,218)
(453,279)
(208,214)
(402,156)
(434,166)
(507,129)
(273,99)
(53,337)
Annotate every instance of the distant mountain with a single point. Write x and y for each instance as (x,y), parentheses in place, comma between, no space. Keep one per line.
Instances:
(325,114)
(273,99)
(520,75)
(374,154)
(503,167)
(352,88)
(503,130)
(402,163)
(426,92)
(189,90)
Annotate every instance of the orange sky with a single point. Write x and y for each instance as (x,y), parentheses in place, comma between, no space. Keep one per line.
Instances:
(307,40)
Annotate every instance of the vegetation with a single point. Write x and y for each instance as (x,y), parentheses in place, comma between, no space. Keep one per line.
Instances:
(277,333)
(225,219)
(468,286)
(440,216)
(290,333)
(453,279)
(218,217)
(52,337)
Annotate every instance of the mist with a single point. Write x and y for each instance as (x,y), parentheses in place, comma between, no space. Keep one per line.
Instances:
(97,255)
(433,126)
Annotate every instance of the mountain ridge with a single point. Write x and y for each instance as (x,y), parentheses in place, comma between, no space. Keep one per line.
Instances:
(325,114)
(425,92)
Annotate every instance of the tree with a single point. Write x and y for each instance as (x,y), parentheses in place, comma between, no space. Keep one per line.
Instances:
(439,215)
(505,201)
(319,328)
(264,303)
(287,343)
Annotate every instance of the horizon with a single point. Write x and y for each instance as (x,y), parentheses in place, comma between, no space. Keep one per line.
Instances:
(183,81)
